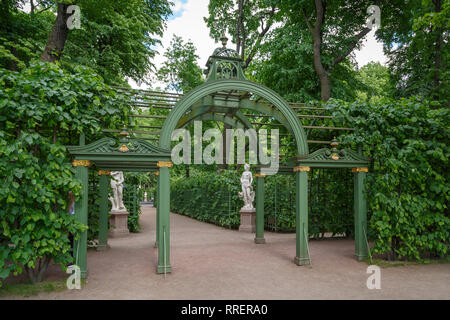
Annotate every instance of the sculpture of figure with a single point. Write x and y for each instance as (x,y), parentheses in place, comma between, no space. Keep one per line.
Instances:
(117,187)
(247,194)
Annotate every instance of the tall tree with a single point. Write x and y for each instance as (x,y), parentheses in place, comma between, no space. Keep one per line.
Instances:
(58,35)
(416,42)
(336,28)
(247,21)
(180,70)
(118,38)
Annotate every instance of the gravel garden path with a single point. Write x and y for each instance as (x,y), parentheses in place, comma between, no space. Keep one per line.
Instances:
(210,262)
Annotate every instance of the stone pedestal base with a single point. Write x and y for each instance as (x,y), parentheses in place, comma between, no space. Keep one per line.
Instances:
(248,220)
(119,224)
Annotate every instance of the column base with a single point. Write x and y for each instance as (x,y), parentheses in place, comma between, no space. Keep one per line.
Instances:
(361,257)
(119,224)
(103,247)
(248,220)
(302,261)
(260,240)
(161,269)
(83,274)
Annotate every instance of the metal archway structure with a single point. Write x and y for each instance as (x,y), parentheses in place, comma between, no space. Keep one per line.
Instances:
(223,96)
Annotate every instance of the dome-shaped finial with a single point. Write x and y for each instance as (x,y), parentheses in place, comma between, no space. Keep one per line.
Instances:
(224,39)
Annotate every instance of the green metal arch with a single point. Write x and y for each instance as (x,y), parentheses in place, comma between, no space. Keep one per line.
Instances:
(242,121)
(184,104)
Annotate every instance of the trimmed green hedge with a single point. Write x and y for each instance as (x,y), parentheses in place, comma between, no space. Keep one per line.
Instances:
(407,185)
(212,197)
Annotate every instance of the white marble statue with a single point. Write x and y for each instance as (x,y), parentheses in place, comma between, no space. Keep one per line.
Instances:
(247,194)
(117,187)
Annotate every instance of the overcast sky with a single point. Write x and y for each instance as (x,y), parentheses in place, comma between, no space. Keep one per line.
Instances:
(187,22)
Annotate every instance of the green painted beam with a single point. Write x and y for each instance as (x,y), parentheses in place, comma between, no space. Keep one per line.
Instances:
(81,214)
(360,212)
(301,221)
(103,214)
(164,221)
(259,238)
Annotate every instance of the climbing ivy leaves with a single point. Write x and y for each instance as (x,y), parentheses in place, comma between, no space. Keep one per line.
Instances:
(42,109)
(407,186)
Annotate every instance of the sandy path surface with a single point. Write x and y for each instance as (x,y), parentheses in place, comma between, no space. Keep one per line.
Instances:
(209,262)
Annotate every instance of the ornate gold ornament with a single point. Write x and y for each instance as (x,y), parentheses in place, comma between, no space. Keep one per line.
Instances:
(104,172)
(361,169)
(260,175)
(81,163)
(124,148)
(302,169)
(164,164)
(334,143)
(157,173)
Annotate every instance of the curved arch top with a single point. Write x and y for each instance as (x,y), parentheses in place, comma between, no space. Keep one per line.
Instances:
(184,104)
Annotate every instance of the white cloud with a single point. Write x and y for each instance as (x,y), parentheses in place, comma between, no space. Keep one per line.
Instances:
(372,50)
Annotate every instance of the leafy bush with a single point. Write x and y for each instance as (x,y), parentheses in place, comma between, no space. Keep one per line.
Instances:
(208,196)
(42,109)
(211,197)
(407,185)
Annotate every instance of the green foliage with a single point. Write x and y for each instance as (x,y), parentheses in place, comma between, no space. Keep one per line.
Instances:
(377,82)
(42,109)
(330,205)
(416,42)
(22,36)
(180,69)
(221,208)
(407,187)
(117,38)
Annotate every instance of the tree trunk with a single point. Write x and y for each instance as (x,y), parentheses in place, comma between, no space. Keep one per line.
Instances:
(437,57)
(325,82)
(58,36)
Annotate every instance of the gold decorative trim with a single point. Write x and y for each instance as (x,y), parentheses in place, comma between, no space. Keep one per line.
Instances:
(302,169)
(81,163)
(104,172)
(260,175)
(335,156)
(157,173)
(124,148)
(361,169)
(164,164)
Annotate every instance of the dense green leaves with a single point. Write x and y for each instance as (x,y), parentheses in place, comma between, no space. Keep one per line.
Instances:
(407,186)
(330,205)
(180,70)
(42,109)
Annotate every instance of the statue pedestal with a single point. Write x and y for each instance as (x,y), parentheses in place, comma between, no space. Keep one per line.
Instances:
(248,220)
(119,224)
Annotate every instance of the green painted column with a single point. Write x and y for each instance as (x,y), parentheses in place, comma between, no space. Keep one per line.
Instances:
(360,212)
(259,238)
(81,213)
(104,208)
(157,210)
(164,217)
(301,212)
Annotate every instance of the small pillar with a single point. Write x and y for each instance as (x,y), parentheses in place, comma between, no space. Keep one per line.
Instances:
(104,206)
(81,214)
(164,217)
(157,209)
(248,220)
(259,238)
(301,213)
(119,224)
(360,211)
